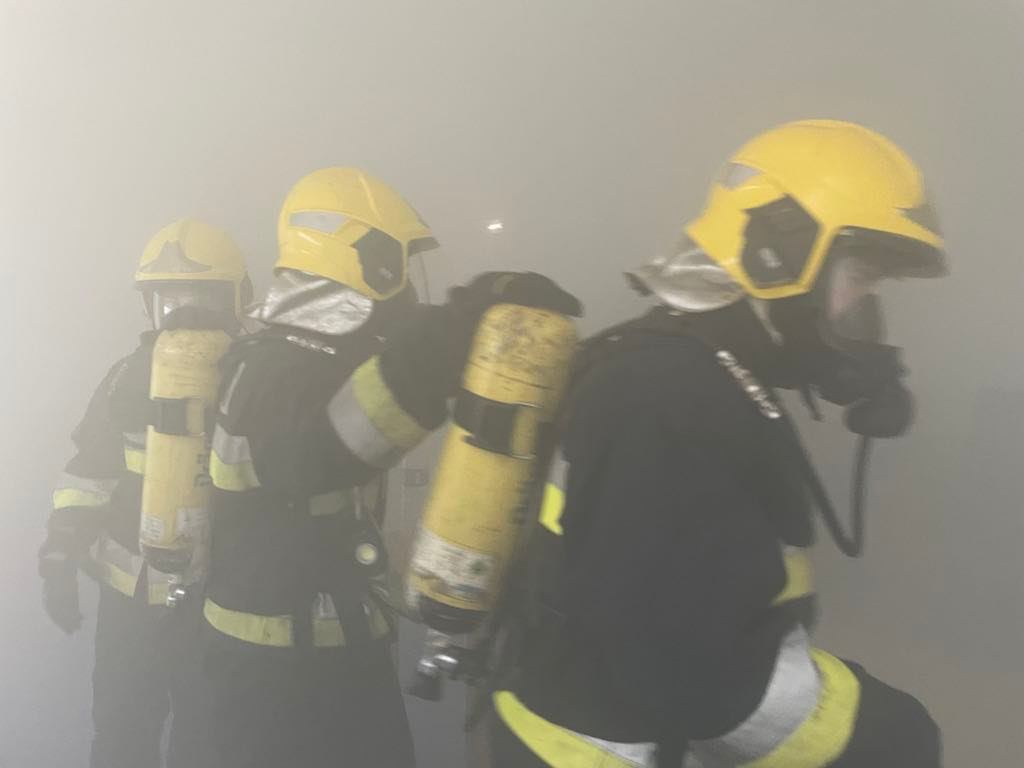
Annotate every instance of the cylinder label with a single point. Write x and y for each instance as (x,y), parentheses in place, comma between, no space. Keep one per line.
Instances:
(453,570)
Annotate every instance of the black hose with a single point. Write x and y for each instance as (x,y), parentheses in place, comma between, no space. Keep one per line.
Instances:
(850,544)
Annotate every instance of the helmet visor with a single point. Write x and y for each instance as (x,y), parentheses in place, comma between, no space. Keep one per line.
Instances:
(418,276)
(858,261)
(164,299)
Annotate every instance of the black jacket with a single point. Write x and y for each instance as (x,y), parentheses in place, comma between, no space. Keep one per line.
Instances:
(657,615)
(110,448)
(287,510)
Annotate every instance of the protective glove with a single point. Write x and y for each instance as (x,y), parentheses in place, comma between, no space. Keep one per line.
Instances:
(60,589)
(528,289)
(423,362)
(467,304)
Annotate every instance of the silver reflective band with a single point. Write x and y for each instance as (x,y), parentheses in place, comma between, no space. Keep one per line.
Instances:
(558,475)
(688,280)
(135,439)
(225,402)
(327,222)
(359,434)
(638,755)
(737,173)
(107,550)
(312,303)
(231,449)
(790,698)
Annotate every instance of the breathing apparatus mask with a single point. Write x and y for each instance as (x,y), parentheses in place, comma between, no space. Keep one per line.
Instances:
(833,342)
(195,304)
(834,337)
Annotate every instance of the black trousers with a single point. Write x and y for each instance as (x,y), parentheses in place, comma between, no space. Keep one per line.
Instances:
(148,665)
(314,708)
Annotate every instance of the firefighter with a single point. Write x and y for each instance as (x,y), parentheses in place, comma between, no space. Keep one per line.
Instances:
(349,373)
(191,275)
(670,601)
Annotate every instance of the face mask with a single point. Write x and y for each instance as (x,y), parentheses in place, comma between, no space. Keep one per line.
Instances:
(863,376)
(194,304)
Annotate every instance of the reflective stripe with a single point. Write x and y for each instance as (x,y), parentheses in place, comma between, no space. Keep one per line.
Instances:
(229,392)
(799,576)
(120,580)
(804,720)
(277,631)
(554,495)
(135,452)
(75,491)
(563,748)
(551,508)
(231,467)
(135,439)
(357,431)
(332,503)
(157,592)
(823,736)
(119,568)
(135,460)
(374,398)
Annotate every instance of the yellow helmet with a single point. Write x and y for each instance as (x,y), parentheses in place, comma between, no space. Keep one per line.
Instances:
(192,251)
(791,195)
(346,226)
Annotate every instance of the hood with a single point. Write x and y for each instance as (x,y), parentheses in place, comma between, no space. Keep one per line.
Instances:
(688,280)
(312,303)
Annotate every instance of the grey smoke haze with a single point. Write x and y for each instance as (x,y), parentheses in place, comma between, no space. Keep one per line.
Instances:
(591,128)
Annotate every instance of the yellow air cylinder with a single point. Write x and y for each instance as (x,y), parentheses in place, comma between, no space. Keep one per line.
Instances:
(512,385)
(174,528)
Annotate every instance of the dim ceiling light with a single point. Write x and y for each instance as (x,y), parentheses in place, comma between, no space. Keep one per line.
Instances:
(495,226)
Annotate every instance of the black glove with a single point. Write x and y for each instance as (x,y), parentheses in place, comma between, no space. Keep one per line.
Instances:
(60,589)
(467,305)
(424,359)
(528,289)
(888,413)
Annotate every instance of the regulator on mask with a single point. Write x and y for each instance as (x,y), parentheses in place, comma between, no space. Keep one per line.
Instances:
(191,304)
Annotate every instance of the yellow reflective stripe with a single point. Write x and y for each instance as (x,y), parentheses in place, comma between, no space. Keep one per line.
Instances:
(125,583)
(823,736)
(72,497)
(375,399)
(327,633)
(799,576)
(559,746)
(277,631)
(76,491)
(158,592)
(331,503)
(551,508)
(121,580)
(135,460)
(232,477)
(274,631)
